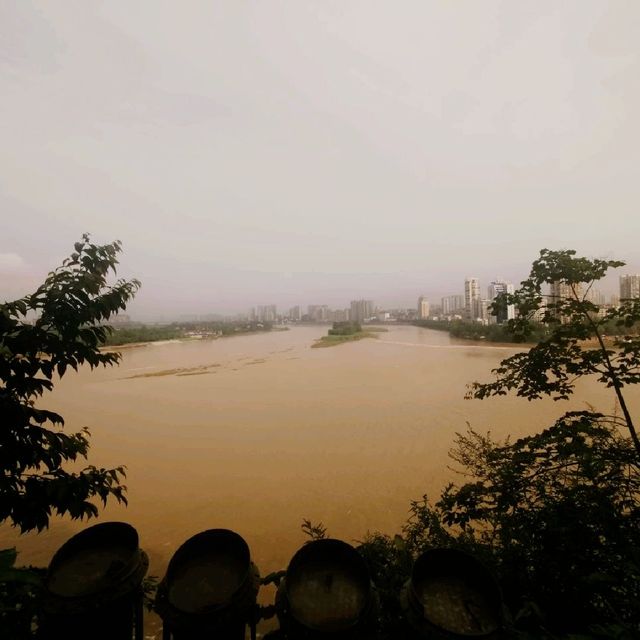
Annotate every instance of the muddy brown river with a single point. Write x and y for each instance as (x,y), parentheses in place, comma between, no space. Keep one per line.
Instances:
(255,433)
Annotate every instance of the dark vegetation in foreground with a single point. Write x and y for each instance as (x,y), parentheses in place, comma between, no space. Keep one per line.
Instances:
(555,515)
(182,330)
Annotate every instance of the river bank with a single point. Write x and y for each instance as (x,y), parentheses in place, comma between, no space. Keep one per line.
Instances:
(333,340)
(196,338)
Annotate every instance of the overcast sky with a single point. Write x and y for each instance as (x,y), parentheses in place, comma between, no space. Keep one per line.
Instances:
(249,152)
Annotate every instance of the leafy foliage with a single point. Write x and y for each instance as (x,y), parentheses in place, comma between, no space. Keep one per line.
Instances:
(575,345)
(556,514)
(390,560)
(557,517)
(313,531)
(560,513)
(561,509)
(70,308)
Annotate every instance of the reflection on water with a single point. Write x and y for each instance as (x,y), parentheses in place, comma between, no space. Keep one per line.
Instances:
(254,433)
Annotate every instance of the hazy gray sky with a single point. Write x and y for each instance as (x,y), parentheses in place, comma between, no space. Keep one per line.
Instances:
(252,152)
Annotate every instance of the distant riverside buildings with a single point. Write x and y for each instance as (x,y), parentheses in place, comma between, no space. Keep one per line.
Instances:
(452,305)
(294,314)
(318,312)
(340,315)
(423,308)
(561,290)
(596,296)
(471,305)
(496,288)
(315,313)
(482,311)
(629,286)
(472,299)
(264,313)
(361,310)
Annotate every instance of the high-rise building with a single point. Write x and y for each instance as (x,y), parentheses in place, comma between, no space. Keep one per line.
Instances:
(452,305)
(266,313)
(595,296)
(629,286)
(482,310)
(294,314)
(423,308)
(361,310)
(496,288)
(472,298)
(318,312)
(560,290)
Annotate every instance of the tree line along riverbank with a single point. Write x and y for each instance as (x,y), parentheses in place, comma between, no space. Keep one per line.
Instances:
(141,333)
(500,332)
(476,331)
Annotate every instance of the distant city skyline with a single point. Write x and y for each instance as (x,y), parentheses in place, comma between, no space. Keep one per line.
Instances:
(312,153)
(630,285)
(473,304)
(404,295)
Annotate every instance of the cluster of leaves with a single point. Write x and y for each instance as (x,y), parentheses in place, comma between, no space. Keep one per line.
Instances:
(555,515)
(574,345)
(313,531)
(560,513)
(59,326)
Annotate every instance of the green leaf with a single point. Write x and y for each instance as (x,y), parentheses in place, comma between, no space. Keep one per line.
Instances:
(70,303)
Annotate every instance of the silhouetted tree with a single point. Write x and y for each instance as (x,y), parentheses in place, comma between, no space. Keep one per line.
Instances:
(556,514)
(574,345)
(58,326)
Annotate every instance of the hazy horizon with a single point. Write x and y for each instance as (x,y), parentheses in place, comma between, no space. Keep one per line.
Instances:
(300,152)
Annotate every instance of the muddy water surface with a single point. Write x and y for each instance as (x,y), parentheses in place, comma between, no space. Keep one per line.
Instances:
(254,433)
